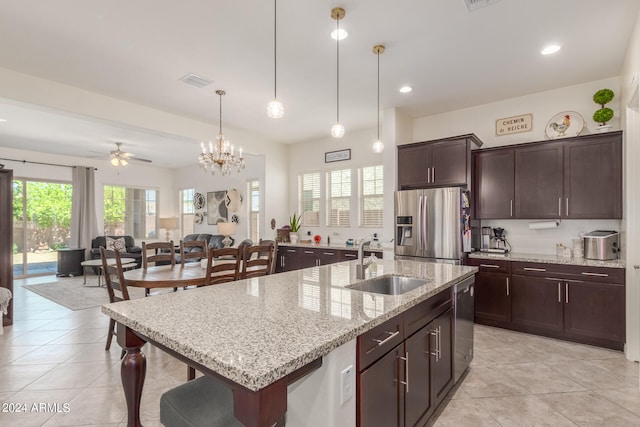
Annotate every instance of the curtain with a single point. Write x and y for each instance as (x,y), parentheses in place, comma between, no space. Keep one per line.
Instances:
(84,225)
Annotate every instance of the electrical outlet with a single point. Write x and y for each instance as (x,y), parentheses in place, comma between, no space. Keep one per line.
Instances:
(346,387)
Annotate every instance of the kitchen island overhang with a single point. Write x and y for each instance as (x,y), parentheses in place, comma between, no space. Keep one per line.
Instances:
(255,332)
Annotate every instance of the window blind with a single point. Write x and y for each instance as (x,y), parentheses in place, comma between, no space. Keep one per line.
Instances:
(371,196)
(310,198)
(339,198)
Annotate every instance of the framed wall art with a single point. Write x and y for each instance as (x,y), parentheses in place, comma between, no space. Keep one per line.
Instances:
(337,156)
(217,207)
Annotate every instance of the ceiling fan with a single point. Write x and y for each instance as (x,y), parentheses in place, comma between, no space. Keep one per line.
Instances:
(122,158)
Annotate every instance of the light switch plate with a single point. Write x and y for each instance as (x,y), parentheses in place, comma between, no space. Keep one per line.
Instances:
(346,387)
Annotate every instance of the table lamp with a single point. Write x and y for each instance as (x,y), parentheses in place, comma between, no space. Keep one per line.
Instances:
(226,229)
(168,224)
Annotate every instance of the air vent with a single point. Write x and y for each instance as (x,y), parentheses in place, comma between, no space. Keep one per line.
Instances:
(477,4)
(195,80)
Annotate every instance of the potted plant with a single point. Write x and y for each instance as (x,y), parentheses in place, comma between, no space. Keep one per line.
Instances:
(604,114)
(295,222)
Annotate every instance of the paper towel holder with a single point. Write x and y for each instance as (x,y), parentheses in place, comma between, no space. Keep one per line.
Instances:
(543,225)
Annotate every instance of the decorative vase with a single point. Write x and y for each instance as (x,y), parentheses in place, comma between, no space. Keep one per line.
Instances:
(603,128)
(293,237)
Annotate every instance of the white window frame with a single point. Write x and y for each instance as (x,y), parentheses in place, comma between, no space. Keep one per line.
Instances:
(310,220)
(341,197)
(253,212)
(362,197)
(187,210)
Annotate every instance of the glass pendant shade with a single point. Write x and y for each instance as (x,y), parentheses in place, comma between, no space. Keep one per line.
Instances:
(337,130)
(275,109)
(378,146)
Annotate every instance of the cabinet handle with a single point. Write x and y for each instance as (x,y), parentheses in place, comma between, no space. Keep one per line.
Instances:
(291,250)
(511,206)
(507,286)
(559,206)
(566,293)
(534,269)
(428,175)
(559,293)
(567,206)
(433,175)
(436,344)
(595,274)
(308,252)
(489,266)
(439,342)
(328,253)
(391,336)
(406,371)
(350,255)
(282,263)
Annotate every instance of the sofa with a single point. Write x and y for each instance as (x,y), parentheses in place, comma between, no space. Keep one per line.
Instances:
(131,250)
(213,241)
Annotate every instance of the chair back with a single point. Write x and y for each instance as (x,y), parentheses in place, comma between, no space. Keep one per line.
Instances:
(275,252)
(162,251)
(260,265)
(114,275)
(223,265)
(194,249)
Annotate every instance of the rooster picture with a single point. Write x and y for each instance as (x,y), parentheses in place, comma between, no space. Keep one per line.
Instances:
(561,128)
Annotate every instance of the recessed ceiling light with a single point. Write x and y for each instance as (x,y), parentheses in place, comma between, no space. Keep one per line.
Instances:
(343,34)
(406,89)
(550,49)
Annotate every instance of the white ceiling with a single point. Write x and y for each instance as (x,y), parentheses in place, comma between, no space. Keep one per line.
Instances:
(138,50)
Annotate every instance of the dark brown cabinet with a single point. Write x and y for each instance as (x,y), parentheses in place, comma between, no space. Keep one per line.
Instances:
(536,302)
(6,238)
(403,387)
(296,257)
(439,163)
(289,259)
(572,178)
(315,257)
(493,297)
(494,183)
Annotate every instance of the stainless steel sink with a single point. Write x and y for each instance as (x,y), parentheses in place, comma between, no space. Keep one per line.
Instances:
(388,285)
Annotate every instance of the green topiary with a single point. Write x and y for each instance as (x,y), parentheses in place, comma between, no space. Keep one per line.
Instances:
(604,114)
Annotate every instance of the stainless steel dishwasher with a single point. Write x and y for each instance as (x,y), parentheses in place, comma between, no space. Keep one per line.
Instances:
(463,327)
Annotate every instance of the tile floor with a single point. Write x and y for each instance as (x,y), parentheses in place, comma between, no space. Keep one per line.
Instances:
(55,356)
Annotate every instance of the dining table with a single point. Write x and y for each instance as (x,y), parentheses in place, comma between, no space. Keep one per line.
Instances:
(167,276)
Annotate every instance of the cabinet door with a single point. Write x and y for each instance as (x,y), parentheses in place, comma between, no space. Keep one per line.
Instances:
(595,310)
(537,302)
(381,394)
(538,181)
(348,255)
(309,258)
(418,398)
(291,258)
(494,178)
(442,368)
(493,302)
(414,166)
(593,177)
(328,256)
(449,163)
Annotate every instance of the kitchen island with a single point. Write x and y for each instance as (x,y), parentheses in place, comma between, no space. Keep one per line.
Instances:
(256,334)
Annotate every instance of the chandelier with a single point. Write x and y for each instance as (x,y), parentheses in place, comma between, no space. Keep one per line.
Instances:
(221,152)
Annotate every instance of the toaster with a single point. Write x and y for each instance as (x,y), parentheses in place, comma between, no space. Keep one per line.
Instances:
(602,245)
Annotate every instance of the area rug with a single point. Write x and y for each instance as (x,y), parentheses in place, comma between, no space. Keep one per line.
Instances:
(70,292)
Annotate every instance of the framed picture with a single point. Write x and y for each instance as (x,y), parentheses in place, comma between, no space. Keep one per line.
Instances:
(217,207)
(337,156)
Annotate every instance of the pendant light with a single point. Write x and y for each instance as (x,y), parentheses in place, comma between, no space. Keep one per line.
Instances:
(337,130)
(378,146)
(275,109)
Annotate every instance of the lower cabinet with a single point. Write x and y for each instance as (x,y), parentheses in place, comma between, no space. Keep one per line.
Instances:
(537,302)
(405,385)
(493,293)
(296,257)
(288,259)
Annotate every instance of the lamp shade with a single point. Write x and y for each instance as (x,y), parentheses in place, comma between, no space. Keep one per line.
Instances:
(226,228)
(168,223)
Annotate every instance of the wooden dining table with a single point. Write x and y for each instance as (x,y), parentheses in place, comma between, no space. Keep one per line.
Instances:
(167,276)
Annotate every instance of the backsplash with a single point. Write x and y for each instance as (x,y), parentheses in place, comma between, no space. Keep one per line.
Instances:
(524,240)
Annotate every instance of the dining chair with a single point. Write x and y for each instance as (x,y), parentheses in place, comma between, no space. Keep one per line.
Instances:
(223,265)
(116,287)
(260,265)
(275,252)
(193,249)
(162,252)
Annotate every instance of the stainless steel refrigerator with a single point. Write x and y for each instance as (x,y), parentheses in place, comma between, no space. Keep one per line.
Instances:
(433,224)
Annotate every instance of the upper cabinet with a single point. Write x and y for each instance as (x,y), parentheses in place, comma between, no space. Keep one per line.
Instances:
(439,163)
(572,178)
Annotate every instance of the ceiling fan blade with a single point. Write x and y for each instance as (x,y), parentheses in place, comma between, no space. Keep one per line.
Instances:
(138,159)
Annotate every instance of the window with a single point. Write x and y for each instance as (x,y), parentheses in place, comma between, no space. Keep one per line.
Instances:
(339,198)
(130,211)
(253,189)
(371,192)
(187,211)
(310,198)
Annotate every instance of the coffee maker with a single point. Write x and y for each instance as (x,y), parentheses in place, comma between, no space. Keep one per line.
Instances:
(499,240)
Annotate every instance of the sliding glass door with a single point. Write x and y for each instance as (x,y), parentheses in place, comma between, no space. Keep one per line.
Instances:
(41,225)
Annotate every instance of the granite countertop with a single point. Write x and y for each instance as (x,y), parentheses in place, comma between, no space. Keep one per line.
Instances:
(549,259)
(256,331)
(341,246)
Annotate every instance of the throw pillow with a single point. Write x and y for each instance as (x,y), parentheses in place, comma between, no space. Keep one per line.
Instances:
(116,244)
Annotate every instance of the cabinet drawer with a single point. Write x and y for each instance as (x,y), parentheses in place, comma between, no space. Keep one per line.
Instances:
(423,313)
(348,255)
(375,343)
(571,272)
(491,265)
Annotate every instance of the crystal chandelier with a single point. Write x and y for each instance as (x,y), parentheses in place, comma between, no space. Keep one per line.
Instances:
(221,153)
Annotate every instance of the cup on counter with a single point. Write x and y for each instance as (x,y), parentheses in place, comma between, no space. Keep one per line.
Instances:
(577,249)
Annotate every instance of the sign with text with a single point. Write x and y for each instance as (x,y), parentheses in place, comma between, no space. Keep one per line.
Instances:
(515,124)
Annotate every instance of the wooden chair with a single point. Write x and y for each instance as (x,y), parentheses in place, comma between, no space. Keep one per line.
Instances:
(275,252)
(162,252)
(262,264)
(194,249)
(116,287)
(223,265)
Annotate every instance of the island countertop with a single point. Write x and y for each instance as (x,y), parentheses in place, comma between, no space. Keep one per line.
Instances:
(256,331)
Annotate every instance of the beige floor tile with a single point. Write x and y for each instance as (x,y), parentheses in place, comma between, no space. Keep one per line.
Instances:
(39,406)
(49,354)
(83,336)
(628,398)
(593,374)
(95,352)
(16,377)
(69,375)
(589,409)
(9,353)
(93,406)
(489,381)
(37,337)
(538,378)
(464,413)
(523,411)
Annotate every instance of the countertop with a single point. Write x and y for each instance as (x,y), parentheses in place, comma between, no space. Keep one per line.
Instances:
(548,259)
(341,246)
(256,331)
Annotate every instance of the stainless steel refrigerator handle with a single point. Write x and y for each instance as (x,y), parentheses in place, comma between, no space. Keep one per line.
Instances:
(419,223)
(425,230)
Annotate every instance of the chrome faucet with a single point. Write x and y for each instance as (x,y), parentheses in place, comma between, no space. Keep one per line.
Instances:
(361,267)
